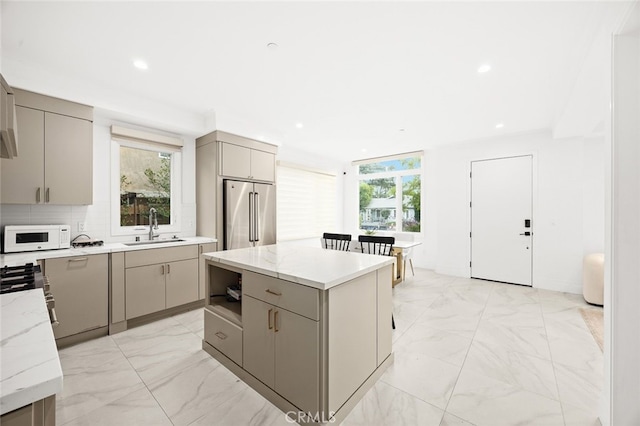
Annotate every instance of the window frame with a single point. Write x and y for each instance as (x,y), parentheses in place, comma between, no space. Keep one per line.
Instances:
(176,187)
(397,175)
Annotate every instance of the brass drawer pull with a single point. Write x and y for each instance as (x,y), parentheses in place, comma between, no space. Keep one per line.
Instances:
(269,319)
(275,293)
(220,335)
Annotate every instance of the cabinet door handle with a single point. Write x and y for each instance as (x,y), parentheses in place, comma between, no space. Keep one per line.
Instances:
(275,293)
(79,259)
(168,269)
(269,319)
(220,335)
(275,321)
(38,195)
(46,196)
(162,269)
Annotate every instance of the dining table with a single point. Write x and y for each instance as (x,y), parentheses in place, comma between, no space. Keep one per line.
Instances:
(399,250)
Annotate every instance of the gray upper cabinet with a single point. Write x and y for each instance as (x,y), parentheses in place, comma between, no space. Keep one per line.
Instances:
(247,163)
(219,156)
(55,162)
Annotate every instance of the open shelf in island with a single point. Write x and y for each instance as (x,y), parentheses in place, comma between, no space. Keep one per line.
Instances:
(231,311)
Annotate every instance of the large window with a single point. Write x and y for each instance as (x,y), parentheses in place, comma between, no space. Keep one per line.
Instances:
(145,175)
(306,203)
(390,194)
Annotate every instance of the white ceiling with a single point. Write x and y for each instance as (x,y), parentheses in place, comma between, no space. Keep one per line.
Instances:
(354,73)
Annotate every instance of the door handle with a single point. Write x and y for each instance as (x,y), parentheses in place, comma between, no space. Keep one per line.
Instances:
(220,335)
(256,217)
(251,209)
(162,270)
(275,293)
(168,268)
(38,195)
(527,233)
(269,319)
(46,196)
(275,321)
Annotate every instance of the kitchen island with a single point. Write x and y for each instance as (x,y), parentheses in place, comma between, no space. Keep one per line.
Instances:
(312,332)
(30,372)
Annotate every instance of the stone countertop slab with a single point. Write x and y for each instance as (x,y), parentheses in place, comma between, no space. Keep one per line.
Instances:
(311,266)
(29,365)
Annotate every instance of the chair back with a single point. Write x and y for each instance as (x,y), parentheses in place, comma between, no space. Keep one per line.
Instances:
(377,245)
(336,241)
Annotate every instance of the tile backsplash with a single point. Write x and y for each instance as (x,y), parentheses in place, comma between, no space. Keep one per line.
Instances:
(96,218)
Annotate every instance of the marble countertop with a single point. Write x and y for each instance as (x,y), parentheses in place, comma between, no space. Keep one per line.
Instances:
(311,266)
(14,259)
(30,369)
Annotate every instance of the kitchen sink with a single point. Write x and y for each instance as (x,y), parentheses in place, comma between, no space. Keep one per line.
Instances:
(143,243)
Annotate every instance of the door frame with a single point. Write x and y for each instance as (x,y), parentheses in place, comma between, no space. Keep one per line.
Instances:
(534,203)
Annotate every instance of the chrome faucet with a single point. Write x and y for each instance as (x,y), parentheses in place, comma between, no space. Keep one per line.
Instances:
(153,224)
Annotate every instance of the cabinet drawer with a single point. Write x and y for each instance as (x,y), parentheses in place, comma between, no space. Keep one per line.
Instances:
(160,255)
(224,336)
(293,297)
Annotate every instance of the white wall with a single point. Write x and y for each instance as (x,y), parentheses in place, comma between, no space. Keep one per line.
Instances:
(98,215)
(568,217)
(622,269)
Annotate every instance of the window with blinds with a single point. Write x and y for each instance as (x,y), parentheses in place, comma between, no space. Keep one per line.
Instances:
(306,203)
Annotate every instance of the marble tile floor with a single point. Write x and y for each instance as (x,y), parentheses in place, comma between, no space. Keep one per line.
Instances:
(467,352)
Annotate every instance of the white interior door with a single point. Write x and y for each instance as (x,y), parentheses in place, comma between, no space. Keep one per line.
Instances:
(501,219)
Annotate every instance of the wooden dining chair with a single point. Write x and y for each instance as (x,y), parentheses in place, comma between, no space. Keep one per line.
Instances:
(382,246)
(336,241)
(372,244)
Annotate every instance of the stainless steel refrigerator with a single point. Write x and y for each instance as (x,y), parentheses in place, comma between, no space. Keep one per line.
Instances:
(249,214)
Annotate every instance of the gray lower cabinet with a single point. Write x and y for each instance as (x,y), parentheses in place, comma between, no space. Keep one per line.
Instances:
(281,349)
(80,286)
(303,348)
(181,282)
(158,279)
(145,290)
(39,413)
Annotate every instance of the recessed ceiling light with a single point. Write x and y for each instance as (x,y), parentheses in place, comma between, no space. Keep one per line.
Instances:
(499,125)
(299,125)
(402,130)
(140,64)
(484,68)
(272,46)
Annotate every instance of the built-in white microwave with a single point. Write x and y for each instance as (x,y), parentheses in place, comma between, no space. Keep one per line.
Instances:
(19,238)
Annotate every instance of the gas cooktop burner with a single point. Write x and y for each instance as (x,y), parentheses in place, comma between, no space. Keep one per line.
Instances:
(19,278)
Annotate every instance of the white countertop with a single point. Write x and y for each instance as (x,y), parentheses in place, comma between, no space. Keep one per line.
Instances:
(310,266)
(29,368)
(15,259)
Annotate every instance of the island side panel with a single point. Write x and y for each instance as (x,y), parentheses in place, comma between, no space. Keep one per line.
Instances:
(385,311)
(352,337)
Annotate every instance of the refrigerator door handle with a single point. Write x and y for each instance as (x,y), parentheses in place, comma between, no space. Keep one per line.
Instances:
(251,212)
(256,207)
